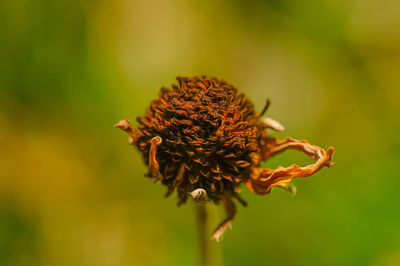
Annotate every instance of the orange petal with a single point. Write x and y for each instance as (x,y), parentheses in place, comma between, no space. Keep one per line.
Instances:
(230,214)
(154,167)
(262,181)
(126,126)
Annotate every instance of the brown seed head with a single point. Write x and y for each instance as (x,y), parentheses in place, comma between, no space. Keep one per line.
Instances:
(208,129)
(203,139)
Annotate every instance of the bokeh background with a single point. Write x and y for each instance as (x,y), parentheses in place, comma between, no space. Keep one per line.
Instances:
(72,190)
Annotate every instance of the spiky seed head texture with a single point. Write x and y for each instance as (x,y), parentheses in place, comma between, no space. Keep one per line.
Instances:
(210,136)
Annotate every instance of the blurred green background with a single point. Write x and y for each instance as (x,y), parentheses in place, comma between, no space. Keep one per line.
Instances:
(72,190)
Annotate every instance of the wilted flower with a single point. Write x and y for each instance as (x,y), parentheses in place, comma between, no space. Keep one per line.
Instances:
(203,139)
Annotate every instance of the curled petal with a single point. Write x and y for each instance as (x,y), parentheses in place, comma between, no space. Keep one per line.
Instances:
(262,181)
(230,214)
(126,126)
(154,167)
(274,146)
(272,123)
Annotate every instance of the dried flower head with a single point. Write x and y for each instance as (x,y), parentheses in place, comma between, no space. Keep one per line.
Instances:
(203,139)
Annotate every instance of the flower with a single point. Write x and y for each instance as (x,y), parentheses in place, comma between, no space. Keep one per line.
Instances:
(203,139)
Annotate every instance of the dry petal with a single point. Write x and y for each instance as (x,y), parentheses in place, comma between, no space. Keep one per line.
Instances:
(226,223)
(126,126)
(154,167)
(261,182)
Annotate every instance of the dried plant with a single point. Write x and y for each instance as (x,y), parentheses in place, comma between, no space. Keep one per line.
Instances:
(203,139)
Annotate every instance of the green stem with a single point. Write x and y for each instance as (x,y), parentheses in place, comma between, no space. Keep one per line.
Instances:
(202,229)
